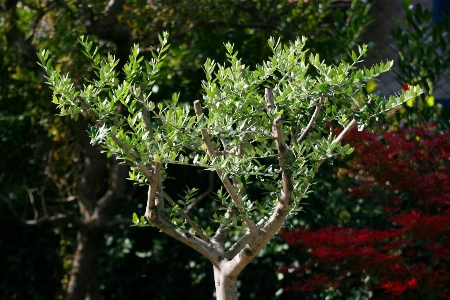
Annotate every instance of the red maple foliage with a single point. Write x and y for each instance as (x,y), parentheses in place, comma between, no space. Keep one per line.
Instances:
(408,172)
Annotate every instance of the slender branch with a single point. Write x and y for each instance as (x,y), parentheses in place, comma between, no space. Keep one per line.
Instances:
(202,195)
(312,121)
(206,249)
(226,153)
(119,143)
(152,188)
(349,126)
(33,205)
(240,244)
(218,240)
(59,218)
(39,221)
(89,111)
(268,96)
(197,229)
(43,202)
(286,197)
(147,172)
(344,132)
(206,139)
(283,151)
(226,182)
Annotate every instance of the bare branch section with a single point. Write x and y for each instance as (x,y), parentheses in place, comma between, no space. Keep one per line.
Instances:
(197,230)
(344,132)
(312,121)
(226,182)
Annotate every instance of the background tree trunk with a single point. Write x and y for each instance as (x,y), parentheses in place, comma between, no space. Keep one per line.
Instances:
(82,283)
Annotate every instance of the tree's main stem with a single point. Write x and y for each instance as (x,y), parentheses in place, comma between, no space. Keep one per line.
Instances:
(82,283)
(226,286)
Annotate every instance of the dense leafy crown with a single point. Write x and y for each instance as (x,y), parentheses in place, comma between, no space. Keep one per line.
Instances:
(293,100)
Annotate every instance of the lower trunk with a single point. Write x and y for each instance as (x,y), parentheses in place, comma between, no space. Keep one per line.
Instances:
(83,281)
(226,286)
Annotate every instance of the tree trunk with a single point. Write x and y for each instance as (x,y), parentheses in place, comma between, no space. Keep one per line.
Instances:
(226,286)
(82,282)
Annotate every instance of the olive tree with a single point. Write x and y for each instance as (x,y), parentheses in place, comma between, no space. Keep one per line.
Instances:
(272,125)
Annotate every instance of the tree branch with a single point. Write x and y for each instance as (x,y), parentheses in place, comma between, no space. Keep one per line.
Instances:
(33,205)
(147,122)
(113,7)
(152,189)
(155,215)
(197,229)
(312,121)
(268,96)
(344,132)
(218,240)
(202,195)
(226,182)
(239,244)
(59,218)
(119,143)
(283,152)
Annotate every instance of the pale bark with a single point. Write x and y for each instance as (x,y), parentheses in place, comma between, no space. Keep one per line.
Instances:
(226,286)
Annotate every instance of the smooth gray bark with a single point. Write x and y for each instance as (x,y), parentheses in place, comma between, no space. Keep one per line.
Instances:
(226,286)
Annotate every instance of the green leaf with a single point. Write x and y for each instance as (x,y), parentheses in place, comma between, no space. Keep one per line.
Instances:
(135,218)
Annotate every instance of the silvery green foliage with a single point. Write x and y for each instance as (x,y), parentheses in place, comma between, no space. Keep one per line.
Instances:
(311,98)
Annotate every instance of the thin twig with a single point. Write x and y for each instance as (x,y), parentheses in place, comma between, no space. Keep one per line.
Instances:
(202,195)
